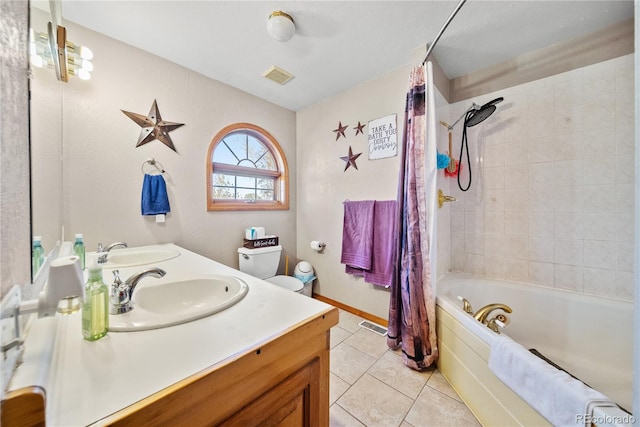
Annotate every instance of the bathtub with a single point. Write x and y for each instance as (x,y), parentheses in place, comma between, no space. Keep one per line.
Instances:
(590,337)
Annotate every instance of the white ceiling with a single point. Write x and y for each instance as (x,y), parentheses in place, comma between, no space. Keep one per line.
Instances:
(338,44)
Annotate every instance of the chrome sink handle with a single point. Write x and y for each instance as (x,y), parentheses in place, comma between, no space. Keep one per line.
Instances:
(105,250)
(119,295)
(122,293)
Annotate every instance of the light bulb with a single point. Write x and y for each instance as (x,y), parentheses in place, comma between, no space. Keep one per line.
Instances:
(36,61)
(281,26)
(86,53)
(87,65)
(84,74)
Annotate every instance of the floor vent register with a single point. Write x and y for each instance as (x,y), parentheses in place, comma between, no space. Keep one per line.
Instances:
(373,327)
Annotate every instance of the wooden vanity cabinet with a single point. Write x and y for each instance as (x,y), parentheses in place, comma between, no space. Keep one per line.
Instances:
(282,382)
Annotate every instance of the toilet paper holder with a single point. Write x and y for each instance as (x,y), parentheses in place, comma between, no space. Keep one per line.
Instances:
(317,245)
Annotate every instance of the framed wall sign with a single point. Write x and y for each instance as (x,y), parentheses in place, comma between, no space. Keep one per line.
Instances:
(383,138)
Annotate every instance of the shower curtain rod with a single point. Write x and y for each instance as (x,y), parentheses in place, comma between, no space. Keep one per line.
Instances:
(444,27)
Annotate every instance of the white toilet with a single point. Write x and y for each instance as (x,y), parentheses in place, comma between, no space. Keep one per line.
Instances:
(263,264)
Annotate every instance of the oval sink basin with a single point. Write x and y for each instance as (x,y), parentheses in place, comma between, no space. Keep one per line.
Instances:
(130,257)
(168,304)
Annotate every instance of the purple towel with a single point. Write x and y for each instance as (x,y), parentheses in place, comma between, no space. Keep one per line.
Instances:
(384,220)
(368,239)
(357,234)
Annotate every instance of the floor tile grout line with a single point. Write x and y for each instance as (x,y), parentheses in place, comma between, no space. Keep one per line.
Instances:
(396,389)
(356,380)
(414,401)
(354,417)
(445,394)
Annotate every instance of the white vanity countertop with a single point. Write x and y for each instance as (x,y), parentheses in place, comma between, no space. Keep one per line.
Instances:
(88,381)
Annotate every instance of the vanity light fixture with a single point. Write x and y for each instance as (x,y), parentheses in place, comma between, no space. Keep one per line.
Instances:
(53,50)
(281,26)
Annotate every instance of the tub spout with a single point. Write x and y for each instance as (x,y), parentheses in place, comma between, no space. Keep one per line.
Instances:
(481,315)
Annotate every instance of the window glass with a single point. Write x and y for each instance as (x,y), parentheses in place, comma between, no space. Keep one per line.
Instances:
(246,170)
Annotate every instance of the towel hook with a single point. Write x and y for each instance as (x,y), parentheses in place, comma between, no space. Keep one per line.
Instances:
(153,162)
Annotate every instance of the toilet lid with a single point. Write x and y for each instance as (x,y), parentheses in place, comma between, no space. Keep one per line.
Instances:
(287,282)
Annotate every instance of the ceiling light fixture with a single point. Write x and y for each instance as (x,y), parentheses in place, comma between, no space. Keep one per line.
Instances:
(53,50)
(281,26)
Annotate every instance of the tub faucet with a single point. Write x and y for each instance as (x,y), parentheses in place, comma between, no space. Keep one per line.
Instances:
(481,315)
(121,293)
(499,322)
(105,250)
(466,305)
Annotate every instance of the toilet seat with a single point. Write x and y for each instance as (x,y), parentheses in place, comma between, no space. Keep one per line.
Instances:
(287,282)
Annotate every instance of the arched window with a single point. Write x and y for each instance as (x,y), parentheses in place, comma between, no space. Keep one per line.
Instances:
(246,170)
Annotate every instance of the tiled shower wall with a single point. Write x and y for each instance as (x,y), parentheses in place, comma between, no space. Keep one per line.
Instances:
(552,197)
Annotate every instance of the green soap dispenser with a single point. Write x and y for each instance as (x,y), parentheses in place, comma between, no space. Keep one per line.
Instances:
(95,309)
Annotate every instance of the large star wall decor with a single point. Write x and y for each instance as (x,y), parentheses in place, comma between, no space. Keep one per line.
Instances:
(340,131)
(153,127)
(350,159)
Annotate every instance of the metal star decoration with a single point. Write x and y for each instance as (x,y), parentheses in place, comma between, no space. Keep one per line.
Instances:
(340,131)
(350,159)
(359,128)
(153,127)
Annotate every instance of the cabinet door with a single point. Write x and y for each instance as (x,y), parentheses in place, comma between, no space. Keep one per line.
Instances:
(291,403)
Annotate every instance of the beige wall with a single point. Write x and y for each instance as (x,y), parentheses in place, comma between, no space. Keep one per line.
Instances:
(102,175)
(323,184)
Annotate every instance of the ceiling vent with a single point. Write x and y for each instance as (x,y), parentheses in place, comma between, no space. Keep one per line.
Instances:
(278,75)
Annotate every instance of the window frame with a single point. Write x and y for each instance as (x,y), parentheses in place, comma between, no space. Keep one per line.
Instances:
(281,186)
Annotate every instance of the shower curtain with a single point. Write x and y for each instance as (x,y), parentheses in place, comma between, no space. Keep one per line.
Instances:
(412,303)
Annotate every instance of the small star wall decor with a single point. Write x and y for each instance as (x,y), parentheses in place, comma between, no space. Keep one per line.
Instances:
(153,127)
(350,160)
(340,131)
(359,128)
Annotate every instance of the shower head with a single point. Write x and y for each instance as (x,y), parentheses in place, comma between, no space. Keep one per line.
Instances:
(480,114)
(474,115)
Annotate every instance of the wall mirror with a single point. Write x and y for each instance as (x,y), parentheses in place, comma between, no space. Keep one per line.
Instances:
(47,148)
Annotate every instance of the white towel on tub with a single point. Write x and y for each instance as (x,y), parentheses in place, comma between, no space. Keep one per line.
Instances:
(561,399)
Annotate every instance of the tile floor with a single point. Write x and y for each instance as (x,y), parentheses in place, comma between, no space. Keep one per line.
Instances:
(371,387)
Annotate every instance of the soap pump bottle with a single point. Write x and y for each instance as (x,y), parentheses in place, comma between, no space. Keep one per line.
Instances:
(95,309)
(37,255)
(79,250)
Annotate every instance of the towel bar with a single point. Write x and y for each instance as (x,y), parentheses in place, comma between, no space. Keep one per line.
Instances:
(153,162)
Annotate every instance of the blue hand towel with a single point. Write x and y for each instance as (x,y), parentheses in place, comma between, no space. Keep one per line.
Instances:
(154,195)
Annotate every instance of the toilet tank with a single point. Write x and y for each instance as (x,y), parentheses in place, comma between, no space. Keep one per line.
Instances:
(261,263)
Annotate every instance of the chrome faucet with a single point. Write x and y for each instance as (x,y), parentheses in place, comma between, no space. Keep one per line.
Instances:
(482,314)
(105,251)
(122,293)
